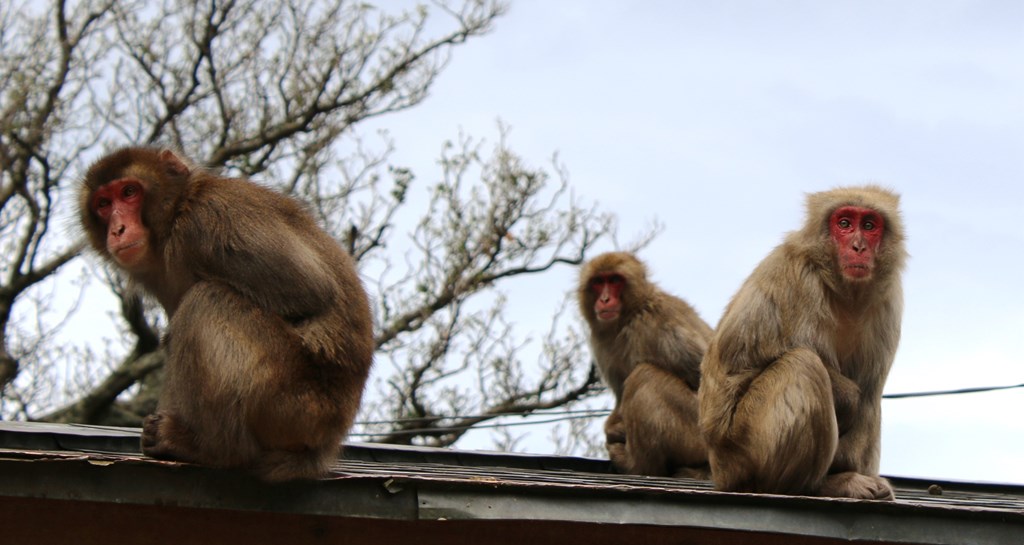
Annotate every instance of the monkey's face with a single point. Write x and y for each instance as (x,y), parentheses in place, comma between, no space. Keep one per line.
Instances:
(607,292)
(857,233)
(118,205)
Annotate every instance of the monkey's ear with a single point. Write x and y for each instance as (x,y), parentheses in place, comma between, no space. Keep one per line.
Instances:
(174,165)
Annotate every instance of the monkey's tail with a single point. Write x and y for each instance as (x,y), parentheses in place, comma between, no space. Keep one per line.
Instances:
(281,465)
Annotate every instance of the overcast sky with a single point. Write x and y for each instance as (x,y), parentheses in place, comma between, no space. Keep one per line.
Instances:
(716,118)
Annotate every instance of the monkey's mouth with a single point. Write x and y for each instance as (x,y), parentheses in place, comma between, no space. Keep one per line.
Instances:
(607,315)
(127,247)
(129,253)
(857,270)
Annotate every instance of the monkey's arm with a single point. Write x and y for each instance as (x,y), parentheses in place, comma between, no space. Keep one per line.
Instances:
(685,352)
(682,339)
(845,397)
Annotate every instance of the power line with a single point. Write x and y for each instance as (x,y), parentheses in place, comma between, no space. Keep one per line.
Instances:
(595,412)
(577,414)
(479,426)
(952,392)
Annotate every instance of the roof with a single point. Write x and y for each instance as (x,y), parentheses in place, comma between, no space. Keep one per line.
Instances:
(61,483)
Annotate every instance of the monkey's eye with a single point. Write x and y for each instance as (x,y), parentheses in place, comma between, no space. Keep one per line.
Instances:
(129,191)
(102,203)
(869,225)
(614,279)
(844,223)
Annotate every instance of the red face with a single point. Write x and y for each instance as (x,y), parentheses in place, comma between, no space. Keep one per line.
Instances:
(119,205)
(608,288)
(857,233)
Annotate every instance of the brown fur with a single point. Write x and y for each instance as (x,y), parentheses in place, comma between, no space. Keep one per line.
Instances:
(791,398)
(650,358)
(270,335)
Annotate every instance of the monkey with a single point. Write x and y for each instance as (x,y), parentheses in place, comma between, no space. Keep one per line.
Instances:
(269,338)
(790,401)
(647,345)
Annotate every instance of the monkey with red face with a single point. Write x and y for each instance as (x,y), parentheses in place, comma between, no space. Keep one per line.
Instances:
(269,341)
(790,401)
(648,346)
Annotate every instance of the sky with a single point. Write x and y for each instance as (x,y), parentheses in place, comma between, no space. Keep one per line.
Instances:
(716,118)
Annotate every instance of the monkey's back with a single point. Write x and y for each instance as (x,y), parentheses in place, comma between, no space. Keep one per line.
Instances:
(269,248)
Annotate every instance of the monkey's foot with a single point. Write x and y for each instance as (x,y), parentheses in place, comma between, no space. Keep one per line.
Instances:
(857,485)
(165,438)
(616,436)
(619,456)
(702,473)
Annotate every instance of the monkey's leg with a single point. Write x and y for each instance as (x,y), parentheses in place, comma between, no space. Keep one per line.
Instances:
(783,434)
(854,471)
(659,414)
(210,377)
(270,406)
(300,429)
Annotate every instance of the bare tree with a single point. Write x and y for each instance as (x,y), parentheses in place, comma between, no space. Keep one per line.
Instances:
(274,90)
(41,108)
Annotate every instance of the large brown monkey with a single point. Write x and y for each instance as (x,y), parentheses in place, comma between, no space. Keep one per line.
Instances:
(269,341)
(648,346)
(791,398)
